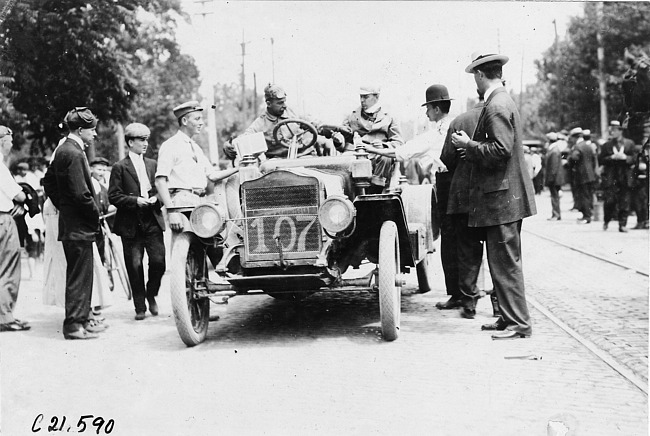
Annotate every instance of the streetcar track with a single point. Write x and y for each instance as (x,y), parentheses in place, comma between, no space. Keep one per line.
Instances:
(603,355)
(580,250)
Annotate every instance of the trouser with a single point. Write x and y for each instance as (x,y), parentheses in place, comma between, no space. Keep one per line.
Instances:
(585,192)
(9,267)
(149,238)
(555,200)
(639,201)
(382,170)
(449,253)
(503,243)
(470,257)
(616,204)
(78,283)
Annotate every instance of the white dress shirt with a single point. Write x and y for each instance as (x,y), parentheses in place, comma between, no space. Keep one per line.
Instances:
(141,170)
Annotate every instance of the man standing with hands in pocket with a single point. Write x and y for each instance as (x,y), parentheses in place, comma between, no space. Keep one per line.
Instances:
(500,195)
(139,219)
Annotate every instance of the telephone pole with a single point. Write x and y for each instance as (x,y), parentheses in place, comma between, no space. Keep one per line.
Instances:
(243,77)
(601,71)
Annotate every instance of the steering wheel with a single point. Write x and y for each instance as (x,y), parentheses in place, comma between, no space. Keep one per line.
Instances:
(302,132)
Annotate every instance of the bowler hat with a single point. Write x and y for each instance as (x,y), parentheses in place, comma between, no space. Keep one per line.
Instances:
(480,58)
(80,117)
(185,108)
(274,92)
(436,93)
(369,89)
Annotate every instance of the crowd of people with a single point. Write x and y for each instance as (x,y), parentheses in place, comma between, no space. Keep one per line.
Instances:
(483,173)
(613,171)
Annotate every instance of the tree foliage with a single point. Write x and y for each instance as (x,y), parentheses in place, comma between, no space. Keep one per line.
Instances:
(118,57)
(568,72)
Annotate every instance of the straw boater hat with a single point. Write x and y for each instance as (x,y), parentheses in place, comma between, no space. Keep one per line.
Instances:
(480,58)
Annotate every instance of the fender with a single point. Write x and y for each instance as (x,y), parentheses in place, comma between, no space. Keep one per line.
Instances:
(372,211)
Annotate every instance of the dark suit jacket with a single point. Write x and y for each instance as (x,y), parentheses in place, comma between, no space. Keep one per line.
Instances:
(123,193)
(584,161)
(500,187)
(553,170)
(617,172)
(67,182)
(459,169)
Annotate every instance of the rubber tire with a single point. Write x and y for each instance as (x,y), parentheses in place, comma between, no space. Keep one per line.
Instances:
(422,270)
(192,329)
(389,292)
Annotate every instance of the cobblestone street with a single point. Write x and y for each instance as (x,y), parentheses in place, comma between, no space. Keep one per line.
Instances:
(321,367)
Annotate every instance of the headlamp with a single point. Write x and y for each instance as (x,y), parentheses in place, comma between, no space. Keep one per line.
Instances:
(206,221)
(336,214)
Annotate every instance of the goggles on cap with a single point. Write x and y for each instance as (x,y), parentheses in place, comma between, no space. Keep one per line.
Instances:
(86,117)
(5,131)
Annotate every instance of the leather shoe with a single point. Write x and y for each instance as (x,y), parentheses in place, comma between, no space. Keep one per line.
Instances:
(452,303)
(139,316)
(15,326)
(153,306)
(509,334)
(467,313)
(493,326)
(82,333)
(622,229)
(93,326)
(584,221)
(605,226)
(554,218)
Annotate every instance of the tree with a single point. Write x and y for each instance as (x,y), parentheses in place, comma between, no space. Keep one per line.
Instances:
(120,58)
(568,71)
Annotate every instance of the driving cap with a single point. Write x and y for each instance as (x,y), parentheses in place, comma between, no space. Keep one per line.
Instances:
(80,117)
(183,109)
(436,93)
(575,131)
(100,161)
(480,58)
(23,165)
(551,136)
(136,130)
(586,132)
(616,124)
(369,89)
(272,92)
(4,131)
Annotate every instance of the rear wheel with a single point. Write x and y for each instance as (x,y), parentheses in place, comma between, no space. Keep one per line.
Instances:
(191,314)
(389,292)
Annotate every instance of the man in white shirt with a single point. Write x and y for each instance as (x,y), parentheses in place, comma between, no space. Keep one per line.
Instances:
(182,166)
(10,192)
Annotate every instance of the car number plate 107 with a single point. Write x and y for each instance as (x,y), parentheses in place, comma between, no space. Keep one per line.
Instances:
(293,233)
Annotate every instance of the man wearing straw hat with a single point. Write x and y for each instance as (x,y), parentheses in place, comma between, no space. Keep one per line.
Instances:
(500,195)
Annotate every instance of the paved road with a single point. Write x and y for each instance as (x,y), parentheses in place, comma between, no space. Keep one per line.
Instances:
(321,367)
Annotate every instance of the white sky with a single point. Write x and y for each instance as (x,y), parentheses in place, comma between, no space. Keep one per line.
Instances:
(323,51)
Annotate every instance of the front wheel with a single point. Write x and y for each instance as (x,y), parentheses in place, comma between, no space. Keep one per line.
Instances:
(389,292)
(188,266)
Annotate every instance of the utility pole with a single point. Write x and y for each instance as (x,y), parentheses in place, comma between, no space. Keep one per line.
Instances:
(272,61)
(254,95)
(601,71)
(243,77)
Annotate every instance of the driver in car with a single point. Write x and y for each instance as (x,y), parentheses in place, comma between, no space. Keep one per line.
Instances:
(375,127)
(276,112)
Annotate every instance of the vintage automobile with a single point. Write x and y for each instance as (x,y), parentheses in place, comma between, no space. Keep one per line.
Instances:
(293,227)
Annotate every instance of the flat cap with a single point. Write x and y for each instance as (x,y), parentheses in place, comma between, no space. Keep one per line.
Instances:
(80,117)
(100,161)
(483,57)
(272,92)
(136,130)
(369,89)
(616,124)
(183,109)
(23,165)
(575,131)
(551,136)
(586,132)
